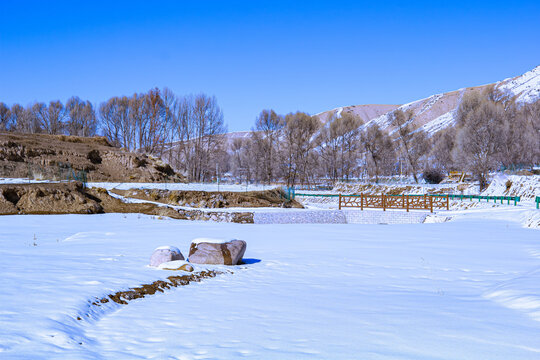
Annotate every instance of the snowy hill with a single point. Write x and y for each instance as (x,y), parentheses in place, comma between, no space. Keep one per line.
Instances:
(365,112)
(433,113)
(437,112)
(526,87)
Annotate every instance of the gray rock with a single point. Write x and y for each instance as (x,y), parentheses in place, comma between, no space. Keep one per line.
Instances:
(165,254)
(217,252)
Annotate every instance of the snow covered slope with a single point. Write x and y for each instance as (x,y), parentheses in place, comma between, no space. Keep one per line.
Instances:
(526,87)
(437,112)
(365,112)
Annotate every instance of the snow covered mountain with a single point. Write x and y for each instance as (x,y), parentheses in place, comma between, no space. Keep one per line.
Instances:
(433,113)
(437,112)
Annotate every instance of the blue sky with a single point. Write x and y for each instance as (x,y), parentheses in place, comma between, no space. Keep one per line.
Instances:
(310,56)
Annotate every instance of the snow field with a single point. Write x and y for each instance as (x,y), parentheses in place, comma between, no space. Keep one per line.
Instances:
(465,289)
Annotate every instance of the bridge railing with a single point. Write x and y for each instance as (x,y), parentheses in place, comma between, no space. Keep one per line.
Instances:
(402,202)
(408,202)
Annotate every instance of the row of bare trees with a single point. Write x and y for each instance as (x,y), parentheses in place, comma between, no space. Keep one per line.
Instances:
(299,148)
(77,117)
(188,131)
(185,130)
(492,132)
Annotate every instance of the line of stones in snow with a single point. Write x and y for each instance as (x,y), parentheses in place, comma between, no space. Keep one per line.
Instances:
(202,251)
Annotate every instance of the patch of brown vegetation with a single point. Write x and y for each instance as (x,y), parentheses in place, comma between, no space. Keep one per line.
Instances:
(123,297)
(212,200)
(54,156)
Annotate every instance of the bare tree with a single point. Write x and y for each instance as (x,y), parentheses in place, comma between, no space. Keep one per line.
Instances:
(521,147)
(266,134)
(5,117)
(209,128)
(481,134)
(379,147)
(18,118)
(339,145)
(50,117)
(82,117)
(299,144)
(111,122)
(414,143)
(442,150)
(152,129)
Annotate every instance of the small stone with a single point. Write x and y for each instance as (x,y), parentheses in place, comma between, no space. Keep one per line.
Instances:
(217,251)
(165,254)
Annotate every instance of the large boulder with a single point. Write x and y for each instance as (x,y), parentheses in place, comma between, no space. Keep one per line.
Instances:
(165,254)
(216,251)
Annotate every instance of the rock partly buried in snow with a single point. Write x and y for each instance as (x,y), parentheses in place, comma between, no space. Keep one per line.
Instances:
(217,251)
(176,265)
(165,254)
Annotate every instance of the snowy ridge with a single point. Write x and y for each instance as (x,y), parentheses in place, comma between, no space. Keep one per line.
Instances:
(526,87)
(437,112)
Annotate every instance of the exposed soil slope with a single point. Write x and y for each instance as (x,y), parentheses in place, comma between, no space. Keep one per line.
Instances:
(73,198)
(55,156)
(204,199)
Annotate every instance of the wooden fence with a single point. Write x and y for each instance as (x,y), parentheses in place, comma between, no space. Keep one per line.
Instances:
(403,202)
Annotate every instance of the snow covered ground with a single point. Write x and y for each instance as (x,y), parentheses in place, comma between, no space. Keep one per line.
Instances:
(464,289)
(166,186)
(181,186)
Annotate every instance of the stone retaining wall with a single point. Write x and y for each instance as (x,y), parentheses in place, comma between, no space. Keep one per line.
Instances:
(340,217)
(384,217)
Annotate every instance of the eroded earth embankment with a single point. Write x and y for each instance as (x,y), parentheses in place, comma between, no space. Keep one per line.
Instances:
(74,198)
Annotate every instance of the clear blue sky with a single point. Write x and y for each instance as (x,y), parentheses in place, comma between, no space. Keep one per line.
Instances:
(310,56)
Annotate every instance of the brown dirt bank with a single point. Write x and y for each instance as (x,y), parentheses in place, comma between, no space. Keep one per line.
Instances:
(54,156)
(212,200)
(73,198)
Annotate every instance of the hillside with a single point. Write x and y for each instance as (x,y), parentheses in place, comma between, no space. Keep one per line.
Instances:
(433,113)
(365,112)
(57,157)
(437,112)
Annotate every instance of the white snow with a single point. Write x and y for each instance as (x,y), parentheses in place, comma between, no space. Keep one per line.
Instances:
(210,241)
(439,123)
(183,186)
(173,249)
(165,186)
(173,265)
(468,288)
(526,86)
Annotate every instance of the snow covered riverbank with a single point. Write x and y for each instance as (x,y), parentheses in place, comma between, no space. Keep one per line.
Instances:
(465,289)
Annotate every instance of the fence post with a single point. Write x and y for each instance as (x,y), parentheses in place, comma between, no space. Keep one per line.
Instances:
(362,201)
(383,202)
(425,202)
(447,202)
(407,202)
(431,203)
(339,201)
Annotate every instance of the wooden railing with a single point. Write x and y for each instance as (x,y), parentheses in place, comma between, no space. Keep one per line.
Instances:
(403,202)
